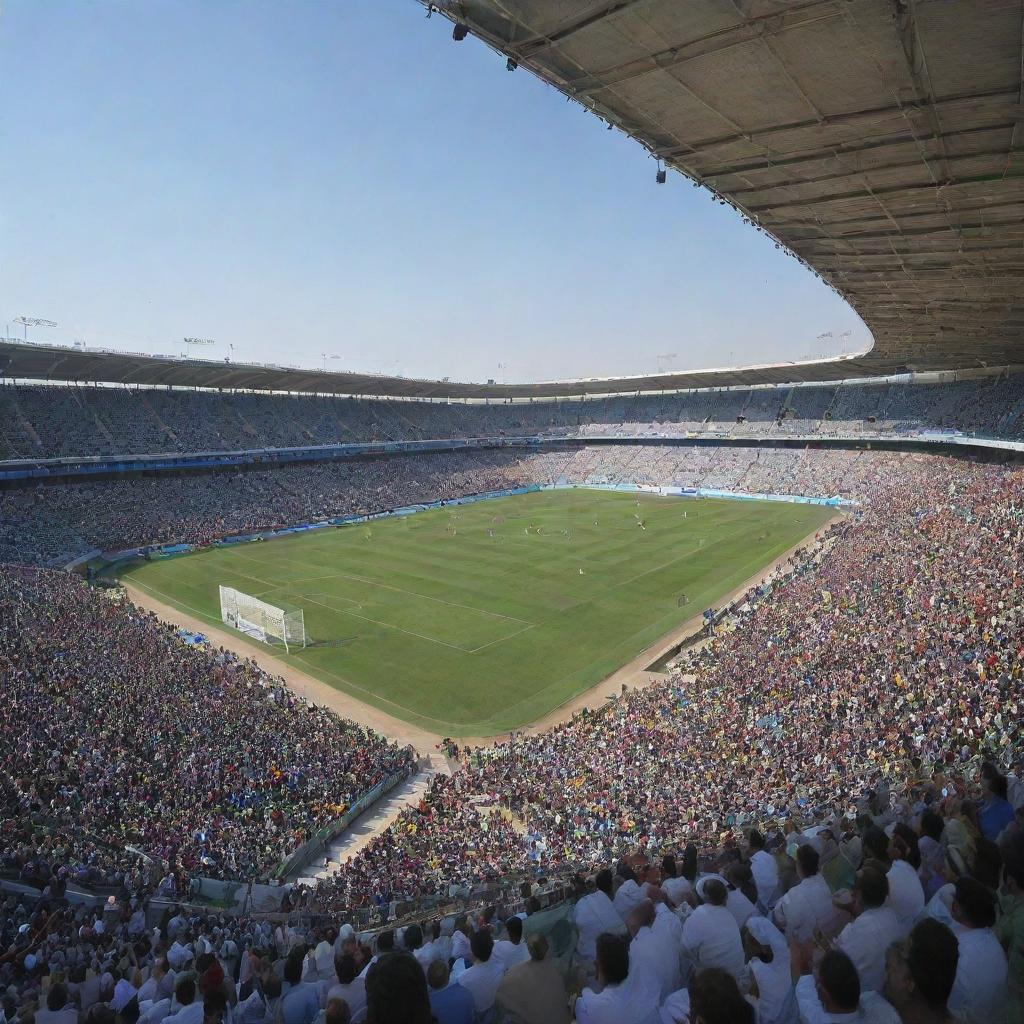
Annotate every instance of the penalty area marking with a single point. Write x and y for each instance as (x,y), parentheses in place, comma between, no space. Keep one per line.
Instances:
(401,590)
(421,636)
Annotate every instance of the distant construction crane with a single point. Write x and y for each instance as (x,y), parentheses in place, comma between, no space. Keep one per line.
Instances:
(663,358)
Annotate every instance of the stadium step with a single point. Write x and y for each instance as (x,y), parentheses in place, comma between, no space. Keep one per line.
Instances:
(151,409)
(26,426)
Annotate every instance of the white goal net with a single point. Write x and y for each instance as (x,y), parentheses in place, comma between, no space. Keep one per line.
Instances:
(265,622)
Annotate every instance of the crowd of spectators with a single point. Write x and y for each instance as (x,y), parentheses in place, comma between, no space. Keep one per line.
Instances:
(838,767)
(114,735)
(52,524)
(50,422)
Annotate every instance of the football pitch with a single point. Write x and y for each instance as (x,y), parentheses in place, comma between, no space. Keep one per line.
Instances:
(469,620)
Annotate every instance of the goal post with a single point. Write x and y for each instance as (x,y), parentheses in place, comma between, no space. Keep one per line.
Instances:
(265,622)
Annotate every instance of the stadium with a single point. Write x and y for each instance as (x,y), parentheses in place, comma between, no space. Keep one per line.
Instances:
(681,696)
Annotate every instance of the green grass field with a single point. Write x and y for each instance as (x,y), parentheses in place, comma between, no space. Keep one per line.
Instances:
(476,619)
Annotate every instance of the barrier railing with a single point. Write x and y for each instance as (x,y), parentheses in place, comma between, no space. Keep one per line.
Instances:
(318,842)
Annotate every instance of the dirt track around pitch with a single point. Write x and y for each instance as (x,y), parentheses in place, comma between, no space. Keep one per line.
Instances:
(632,675)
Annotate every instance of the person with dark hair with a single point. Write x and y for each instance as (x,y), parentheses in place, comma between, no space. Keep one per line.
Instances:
(396,992)
(933,853)
(632,888)
(920,972)
(981,973)
(484,977)
(873,930)
(432,948)
(655,947)
(1010,928)
(995,812)
(384,944)
(189,1009)
(833,993)
(711,936)
(301,1000)
(766,871)
(690,866)
(875,844)
(715,999)
(534,992)
(59,1010)
(512,951)
(673,884)
(450,1004)
(272,988)
(460,947)
(808,905)
(215,1006)
(349,986)
(594,915)
(617,1002)
(742,893)
(906,894)
(412,938)
(323,955)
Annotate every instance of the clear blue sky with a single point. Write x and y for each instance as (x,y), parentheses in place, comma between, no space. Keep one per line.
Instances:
(304,177)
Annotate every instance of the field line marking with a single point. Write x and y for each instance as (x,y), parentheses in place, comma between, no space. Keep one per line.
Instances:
(374,694)
(390,625)
(173,600)
(400,590)
(502,639)
(315,669)
(746,585)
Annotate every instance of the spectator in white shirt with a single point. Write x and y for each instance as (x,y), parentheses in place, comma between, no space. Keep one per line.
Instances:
(323,957)
(979,990)
(766,872)
(675,887)
(424,952)
(189,1009)
(151,990)
(832,995)
(739,877)
(656,952)
(906,894)
(808,905)
(630,893)
(768,976)
(624,997)
(179,954)
(484,977)
(594,915)
(460,948)
(920,972)
(873,930)
(711,937)
(349,985)
(511,951)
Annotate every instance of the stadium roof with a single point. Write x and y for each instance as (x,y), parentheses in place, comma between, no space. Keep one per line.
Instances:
(28,361)
(879,141)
